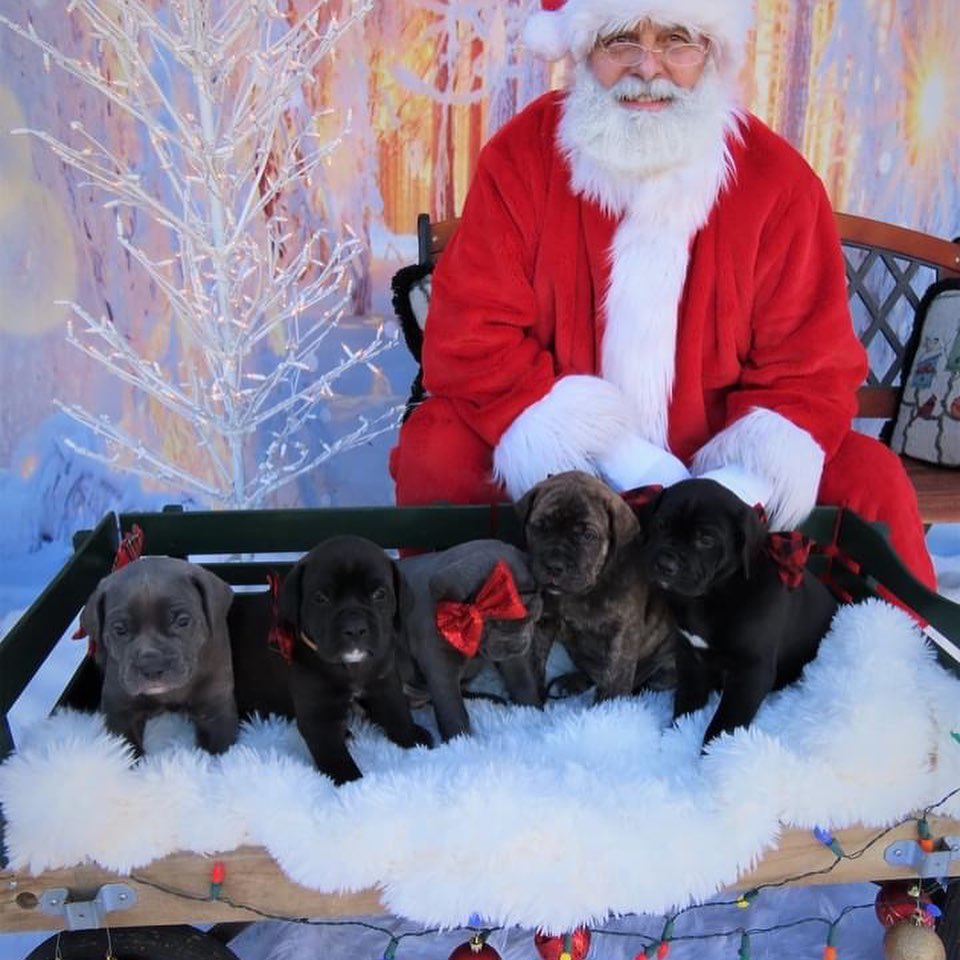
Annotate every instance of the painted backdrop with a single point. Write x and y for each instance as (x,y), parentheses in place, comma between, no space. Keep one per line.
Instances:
(868,90)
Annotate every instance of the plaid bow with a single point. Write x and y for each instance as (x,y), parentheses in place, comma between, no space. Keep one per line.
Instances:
(640,496)
(461,624)
(789,550)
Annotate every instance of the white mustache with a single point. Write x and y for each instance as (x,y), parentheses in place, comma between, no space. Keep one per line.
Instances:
(630,88)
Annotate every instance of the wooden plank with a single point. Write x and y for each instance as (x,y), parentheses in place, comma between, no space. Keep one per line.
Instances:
(938,490)
(176,888)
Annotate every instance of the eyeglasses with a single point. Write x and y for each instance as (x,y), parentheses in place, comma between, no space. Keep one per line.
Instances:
(628,53)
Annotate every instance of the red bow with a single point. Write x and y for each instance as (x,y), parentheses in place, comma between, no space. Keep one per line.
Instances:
(789,550)
(461,624)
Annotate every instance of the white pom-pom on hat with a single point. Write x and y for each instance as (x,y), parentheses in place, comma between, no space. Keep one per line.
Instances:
(562,27)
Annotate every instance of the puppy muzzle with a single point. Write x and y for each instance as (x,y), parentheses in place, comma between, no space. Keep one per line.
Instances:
(671,570)
(154,672)
(356,637)
(558,573)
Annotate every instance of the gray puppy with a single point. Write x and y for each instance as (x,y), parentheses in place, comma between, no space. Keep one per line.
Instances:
(458,575)
(582,539)
(159,633)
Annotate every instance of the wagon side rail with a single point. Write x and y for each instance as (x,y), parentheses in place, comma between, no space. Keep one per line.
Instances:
(28,644)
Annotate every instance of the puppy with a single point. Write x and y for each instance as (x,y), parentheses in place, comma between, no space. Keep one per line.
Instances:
(745,630)
(341,603)
(159,632)
(458,575)
(582,538)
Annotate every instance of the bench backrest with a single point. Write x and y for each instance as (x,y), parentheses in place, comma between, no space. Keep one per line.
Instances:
(888,269)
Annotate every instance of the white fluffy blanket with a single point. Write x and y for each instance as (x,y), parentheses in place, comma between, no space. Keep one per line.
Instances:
(548,818)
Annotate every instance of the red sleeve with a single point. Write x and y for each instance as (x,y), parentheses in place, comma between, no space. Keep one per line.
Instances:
(481,350)
(805,361)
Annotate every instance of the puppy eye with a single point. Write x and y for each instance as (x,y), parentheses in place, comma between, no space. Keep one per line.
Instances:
(588,534)
(704,539)
(379,595)
(118,628)
(182,620)
(321,599)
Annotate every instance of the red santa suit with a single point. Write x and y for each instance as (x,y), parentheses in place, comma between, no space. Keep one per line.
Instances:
(697,319)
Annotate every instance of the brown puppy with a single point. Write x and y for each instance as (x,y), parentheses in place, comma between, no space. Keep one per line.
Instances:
(159,633)
(341,603)
(582,539)
(458,575)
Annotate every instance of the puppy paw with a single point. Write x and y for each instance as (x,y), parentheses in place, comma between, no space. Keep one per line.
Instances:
(569,684)
(422,736)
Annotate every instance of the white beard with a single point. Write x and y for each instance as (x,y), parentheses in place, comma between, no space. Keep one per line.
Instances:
(614,151)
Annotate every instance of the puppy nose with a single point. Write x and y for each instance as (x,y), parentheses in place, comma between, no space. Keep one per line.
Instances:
(553,565)
(152,664)
(666,564)
(355,631)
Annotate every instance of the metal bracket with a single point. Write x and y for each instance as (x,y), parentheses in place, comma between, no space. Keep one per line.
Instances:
(909,853)
(87,914)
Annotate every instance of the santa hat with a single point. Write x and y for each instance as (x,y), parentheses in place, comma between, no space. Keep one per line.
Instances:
(564,27)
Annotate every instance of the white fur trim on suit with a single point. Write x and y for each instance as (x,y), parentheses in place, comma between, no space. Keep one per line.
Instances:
(574,28)
(769,445)
(580,418)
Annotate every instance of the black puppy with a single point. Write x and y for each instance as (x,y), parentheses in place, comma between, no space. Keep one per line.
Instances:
(341,604)
(750,622)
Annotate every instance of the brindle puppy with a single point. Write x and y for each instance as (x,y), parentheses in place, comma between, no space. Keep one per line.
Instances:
(582,541)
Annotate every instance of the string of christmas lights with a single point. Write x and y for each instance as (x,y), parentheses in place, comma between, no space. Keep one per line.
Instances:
(905,908)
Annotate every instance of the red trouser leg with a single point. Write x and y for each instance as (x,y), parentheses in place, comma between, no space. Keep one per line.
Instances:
(439,459)
(869,478)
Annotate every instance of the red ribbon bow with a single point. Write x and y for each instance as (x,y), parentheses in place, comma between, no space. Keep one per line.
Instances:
(461,624)
(130,549)
(789,550)
(279,638)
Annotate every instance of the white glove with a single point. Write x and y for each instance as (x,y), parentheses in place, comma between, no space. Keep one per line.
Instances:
(634,462)
(751,488)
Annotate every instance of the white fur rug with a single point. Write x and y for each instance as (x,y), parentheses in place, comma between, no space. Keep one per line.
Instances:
(549,818)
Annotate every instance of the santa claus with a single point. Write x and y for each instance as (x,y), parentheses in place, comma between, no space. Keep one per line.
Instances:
(647,283)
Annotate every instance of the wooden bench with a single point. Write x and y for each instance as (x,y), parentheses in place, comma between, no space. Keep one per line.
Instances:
(888,269)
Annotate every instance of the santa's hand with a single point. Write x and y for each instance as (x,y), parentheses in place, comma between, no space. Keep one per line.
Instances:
(751,488)
(634,462)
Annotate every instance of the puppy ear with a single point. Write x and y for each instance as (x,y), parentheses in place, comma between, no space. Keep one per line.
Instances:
(91,622)
(216,595)
(753,530)
(623,521)
(291,593)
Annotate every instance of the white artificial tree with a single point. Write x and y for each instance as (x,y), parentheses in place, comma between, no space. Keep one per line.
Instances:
(252,286)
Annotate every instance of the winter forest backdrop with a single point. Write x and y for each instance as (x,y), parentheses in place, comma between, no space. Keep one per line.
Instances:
(400,105)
